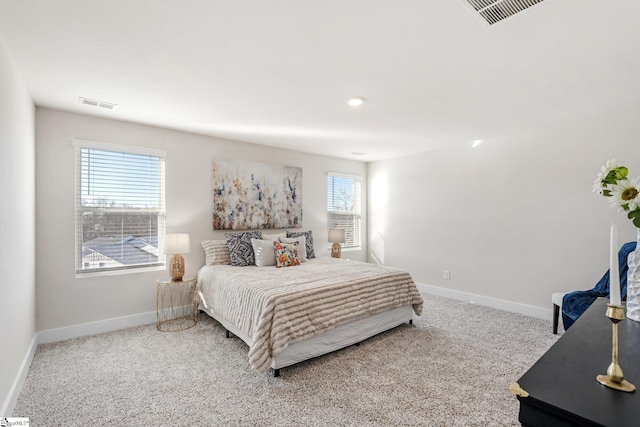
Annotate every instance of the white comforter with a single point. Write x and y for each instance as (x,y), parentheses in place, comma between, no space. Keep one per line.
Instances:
(279,306)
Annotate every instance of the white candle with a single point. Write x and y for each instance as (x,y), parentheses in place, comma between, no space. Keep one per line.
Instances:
(614,274)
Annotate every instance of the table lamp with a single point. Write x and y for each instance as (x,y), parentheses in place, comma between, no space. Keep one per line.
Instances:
(175,245)
(336,236)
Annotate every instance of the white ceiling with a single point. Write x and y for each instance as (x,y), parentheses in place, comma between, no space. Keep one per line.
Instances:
(278,72)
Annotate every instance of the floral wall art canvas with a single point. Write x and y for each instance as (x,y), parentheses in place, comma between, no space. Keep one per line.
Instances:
(251,195)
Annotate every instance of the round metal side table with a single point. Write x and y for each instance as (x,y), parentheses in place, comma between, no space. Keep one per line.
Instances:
(176,307)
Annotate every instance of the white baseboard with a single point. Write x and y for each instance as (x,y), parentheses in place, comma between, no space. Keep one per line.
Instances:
(515,307)
(92,328)
(18,382)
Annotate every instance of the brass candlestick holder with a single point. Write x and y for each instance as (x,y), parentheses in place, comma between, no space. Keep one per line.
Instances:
(614,378)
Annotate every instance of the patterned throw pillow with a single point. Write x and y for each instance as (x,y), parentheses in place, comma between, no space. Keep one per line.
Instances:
(286,254)
(216,252)
(309,243)
(240,249)
(302,245)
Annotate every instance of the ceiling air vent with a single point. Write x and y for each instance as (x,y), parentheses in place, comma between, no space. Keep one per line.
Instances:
(494,11)
(96,103)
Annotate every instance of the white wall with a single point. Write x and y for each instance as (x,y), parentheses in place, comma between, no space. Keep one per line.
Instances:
(64,300)
(17,229)
(514,219)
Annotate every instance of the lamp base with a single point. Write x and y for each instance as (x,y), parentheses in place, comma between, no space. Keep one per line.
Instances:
(176,267)
(336,250)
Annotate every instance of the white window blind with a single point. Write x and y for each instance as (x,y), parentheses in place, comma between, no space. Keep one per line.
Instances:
(344,207)
(120,207)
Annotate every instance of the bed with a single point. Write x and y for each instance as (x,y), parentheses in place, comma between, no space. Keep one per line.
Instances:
(288,315)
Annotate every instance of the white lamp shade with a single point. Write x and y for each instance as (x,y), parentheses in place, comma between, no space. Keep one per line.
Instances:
(336,235)
(177,244)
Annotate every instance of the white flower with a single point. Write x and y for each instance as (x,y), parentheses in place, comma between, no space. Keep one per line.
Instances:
(625,195)
(604,170)
(598,185)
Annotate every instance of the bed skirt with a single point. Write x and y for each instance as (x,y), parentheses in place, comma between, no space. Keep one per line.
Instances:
(334,339)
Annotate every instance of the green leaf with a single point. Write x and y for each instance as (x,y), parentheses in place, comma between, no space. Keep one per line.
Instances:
(634,216)
(621,172)
(611,178)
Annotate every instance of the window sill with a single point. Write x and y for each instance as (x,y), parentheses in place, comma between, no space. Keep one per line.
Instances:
(97,273)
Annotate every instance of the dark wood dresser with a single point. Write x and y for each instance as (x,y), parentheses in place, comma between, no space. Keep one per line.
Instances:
(562,385)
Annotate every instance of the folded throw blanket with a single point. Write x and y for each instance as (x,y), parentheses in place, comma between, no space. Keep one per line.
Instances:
(576,303)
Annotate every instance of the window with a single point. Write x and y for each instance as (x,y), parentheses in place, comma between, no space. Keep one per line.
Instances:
(119,207)
(344,207)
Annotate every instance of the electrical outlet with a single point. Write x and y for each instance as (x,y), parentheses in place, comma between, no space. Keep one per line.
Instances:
(447,275)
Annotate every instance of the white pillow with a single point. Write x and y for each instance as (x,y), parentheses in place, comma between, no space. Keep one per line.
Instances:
(273,237)
(302,245)
(264,252)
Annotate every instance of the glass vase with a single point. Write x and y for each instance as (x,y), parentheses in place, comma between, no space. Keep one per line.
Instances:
(633,282)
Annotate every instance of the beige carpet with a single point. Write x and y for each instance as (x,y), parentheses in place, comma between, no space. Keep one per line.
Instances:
(453,367)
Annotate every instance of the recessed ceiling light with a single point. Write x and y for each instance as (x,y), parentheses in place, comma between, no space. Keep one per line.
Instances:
(476,143)
(355,101)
